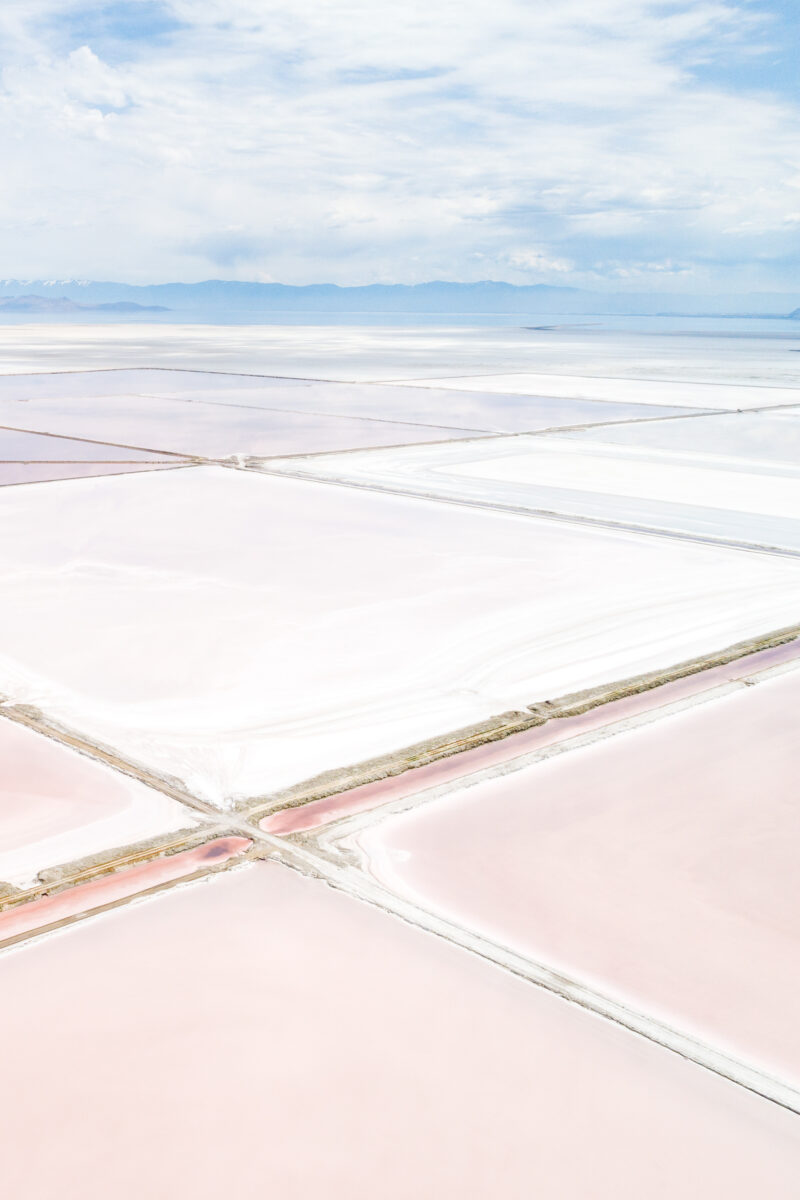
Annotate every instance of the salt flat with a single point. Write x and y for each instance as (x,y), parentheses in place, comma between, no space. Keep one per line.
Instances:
(683,393)
(732,478)
(767,441)
(349,352)
(348,582)
(244,632)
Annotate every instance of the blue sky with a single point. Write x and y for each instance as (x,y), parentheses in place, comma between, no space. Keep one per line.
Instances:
(614,144)
(770,62)
(117,31)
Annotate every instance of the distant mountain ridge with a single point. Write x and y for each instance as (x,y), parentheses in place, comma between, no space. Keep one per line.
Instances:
(487,297)
(32,303)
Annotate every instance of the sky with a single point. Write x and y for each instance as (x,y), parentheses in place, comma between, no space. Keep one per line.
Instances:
(623,145)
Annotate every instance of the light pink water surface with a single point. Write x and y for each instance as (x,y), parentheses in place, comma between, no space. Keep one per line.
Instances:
(20,446)
(211,430)
(84,897)
(57,806)
(267,1036)
(490,410)
(38,384)
(40,472)
(659,865)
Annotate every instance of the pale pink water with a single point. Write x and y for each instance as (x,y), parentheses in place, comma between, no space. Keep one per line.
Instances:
(57,806)
(212,430)
(265,1036)
(40,472)
(430,405)
(492,412)
(659,865)
(84,897)
(20,446)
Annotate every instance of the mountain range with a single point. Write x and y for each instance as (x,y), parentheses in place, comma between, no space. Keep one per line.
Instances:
(32,303)
(216,296)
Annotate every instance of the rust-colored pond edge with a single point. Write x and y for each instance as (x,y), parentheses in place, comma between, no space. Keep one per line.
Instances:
(115,883)
(515,733)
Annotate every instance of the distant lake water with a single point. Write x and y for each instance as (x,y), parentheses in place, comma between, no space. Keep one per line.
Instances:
(554,323)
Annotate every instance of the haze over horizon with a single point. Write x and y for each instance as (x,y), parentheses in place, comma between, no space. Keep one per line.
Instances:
(608,145)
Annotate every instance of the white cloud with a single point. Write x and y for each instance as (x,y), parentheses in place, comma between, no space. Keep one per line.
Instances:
(357,140)
(539,262)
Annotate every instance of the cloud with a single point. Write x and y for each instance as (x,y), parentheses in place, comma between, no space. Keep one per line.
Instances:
(358,141)
(539,262)
(229,248)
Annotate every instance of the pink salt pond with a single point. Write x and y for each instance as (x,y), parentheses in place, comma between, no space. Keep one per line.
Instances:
(659,866)
(18,445)
(491,412)
(318,813)
(35,458)
(159,424)
(268,1035)
(57,806)
(439,406)
(40,472)
(121,885)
